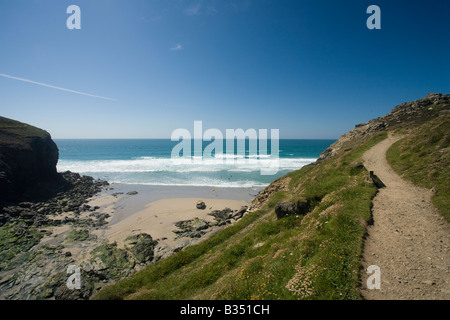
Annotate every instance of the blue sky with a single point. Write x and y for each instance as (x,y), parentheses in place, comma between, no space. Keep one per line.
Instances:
(311,69)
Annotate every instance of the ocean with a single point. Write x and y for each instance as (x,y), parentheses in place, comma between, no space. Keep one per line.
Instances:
(149,162)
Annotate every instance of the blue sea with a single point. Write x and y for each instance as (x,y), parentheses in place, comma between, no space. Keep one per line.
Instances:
(149,162)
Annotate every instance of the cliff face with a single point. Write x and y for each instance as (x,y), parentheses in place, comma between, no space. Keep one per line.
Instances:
(406,115)
(28,158)
(33,198)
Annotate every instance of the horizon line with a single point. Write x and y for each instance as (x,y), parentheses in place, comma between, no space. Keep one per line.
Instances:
(179,140)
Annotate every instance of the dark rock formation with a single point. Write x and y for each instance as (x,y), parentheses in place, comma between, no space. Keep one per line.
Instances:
(141,247)
(285,209)
(191,231)
(194,228)
(240,213)
(28,158)
(30,185)
(69,194)
(224,214)
(64,293)
(227,214)
(201,205)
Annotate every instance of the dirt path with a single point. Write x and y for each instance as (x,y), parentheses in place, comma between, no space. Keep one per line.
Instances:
(409,241)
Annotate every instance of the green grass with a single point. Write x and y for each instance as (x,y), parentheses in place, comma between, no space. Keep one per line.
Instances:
(423,157)
(160,273)
(277,197)
(316,256)
(10,130)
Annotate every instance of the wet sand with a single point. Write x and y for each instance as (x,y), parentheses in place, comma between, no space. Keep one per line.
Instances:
(127,205)
(154,210)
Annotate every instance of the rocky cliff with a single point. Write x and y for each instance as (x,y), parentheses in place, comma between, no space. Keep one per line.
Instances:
(407,114)
(28,158)
(35,198)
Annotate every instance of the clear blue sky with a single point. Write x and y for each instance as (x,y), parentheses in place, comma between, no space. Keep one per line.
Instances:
(309,68)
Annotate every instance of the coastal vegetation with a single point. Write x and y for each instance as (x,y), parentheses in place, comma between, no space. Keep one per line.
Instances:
(302,237)
(423,157)
(313,256)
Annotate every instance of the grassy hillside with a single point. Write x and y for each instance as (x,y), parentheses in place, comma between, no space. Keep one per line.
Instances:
(423,157)
(10,129)
(316,256)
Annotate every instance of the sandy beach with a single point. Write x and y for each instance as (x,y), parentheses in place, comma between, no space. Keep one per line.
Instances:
(158,218)
(154,210)
(70,237)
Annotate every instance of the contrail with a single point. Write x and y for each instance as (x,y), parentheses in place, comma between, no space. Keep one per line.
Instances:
(58,88)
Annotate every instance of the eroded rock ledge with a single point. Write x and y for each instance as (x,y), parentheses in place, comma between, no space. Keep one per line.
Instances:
(407,114)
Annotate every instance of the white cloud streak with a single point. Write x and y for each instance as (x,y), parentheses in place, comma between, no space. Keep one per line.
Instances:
(177,47)
(58,88)
(193,10)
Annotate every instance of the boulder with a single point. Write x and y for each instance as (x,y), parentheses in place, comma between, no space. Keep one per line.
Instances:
(239,213)
(201,205)
(224,214)
(64,293)
(141,247)
(285,209)
(357,165)
(194,228)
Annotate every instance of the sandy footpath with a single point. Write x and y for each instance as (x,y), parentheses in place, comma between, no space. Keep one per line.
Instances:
(409,240)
